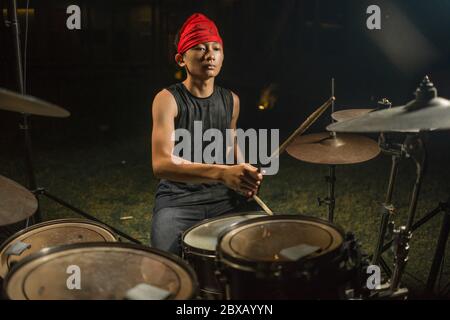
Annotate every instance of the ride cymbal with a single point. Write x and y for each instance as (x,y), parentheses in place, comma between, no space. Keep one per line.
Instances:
(326,148)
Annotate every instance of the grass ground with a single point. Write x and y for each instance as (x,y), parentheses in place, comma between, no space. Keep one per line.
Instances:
(111,179)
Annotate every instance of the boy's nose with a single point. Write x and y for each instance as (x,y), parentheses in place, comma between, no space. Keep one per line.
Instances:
(210,56)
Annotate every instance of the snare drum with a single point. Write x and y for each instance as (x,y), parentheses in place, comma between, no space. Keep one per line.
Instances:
(105,271)
(199,249)
(49,234)
(284,257)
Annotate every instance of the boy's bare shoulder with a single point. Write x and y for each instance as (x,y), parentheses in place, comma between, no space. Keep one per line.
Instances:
(165,101)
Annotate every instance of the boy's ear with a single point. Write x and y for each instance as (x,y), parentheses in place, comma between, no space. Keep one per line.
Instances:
(179,60)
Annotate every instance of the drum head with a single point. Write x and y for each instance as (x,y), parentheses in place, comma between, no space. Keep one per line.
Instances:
(53,233)
(264,239)
(203,236)
(107,271)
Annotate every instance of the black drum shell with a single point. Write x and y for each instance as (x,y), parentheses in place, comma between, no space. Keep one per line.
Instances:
(205,268)
(324,277)
(204,262)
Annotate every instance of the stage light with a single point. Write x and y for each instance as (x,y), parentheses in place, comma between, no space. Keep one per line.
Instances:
(268,97)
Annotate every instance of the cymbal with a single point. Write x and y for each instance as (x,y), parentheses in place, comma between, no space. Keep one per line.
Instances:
(426,112)
(348,114)
(326,148)
(16,202)
(12,101)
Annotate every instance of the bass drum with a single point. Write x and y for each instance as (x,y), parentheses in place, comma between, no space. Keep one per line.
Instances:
(286,257)
(199,250)
(101,271)
(50,234)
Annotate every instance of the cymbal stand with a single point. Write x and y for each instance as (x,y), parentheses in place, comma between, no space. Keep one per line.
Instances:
(413,148)
(416,150)
(330,200)
(387,209)
(13,23)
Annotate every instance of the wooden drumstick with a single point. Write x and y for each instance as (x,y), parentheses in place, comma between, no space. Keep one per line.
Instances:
(303,127)
(300,130)
(260,202)
(263,205)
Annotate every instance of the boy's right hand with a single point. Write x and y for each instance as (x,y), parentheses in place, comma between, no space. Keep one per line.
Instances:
(243,178)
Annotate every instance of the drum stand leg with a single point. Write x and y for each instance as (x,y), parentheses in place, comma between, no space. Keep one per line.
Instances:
(440,249)
(42,191)
(330,200)
(387,211)
(385,267)
(392,289)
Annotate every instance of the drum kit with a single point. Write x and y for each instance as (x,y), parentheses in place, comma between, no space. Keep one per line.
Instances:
(251,255)
(279,256)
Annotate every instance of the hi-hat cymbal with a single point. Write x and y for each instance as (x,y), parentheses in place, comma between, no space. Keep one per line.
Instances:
(12,101)
(16,202)
(348,114)
(326,148)
(426,112)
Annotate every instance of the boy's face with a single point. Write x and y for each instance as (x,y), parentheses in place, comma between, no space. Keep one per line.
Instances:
(202,61)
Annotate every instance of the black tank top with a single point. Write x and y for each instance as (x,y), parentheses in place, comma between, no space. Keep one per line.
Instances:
(214,111)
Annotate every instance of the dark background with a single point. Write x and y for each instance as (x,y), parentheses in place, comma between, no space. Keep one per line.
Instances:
(107,73)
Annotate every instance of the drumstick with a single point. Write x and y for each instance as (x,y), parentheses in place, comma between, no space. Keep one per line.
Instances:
(259,201)
(303,127)
(263,205)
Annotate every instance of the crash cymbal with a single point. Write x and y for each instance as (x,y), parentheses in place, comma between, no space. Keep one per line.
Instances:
(348,114)
(16,202)
(427,112)
(326,148)
(12,101)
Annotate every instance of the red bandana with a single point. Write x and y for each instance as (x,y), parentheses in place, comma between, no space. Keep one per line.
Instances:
(197,29)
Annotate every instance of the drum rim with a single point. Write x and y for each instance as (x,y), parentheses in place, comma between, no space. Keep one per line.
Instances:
(212,253)
(243,263)
(46,251)
(56,221)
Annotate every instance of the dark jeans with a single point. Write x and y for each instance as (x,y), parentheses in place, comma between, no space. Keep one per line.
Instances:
(168,224)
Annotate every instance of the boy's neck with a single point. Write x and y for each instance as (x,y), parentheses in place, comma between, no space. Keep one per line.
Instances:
(199,88)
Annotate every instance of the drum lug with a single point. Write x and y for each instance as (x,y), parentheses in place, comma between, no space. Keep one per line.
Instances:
(223,283)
